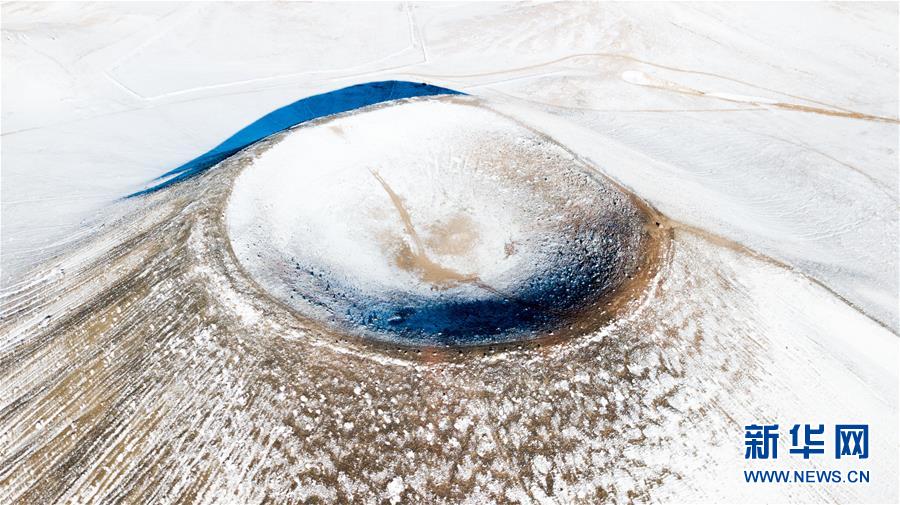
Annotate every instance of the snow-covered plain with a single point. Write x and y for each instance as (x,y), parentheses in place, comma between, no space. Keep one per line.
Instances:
(766,134)
(778,117)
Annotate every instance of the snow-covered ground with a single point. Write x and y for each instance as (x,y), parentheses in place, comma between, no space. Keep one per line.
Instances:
(774,121)
(766,134)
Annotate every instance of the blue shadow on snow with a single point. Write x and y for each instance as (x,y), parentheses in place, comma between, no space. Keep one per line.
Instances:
(301,111)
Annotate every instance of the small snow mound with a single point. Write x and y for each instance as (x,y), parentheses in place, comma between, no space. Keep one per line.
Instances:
(395,489)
